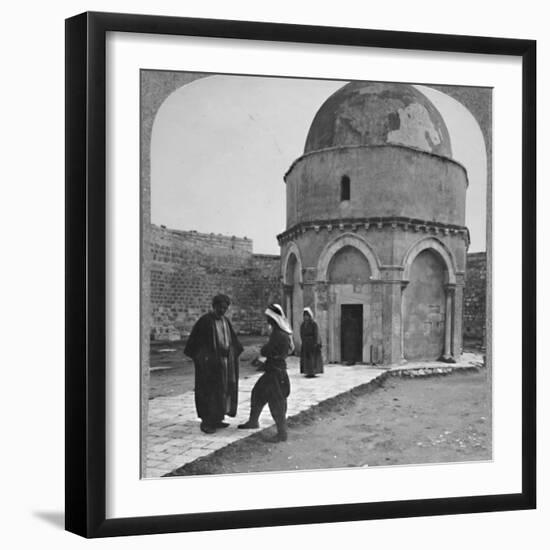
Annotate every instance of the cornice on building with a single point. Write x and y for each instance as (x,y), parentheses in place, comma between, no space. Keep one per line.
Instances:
(378,223)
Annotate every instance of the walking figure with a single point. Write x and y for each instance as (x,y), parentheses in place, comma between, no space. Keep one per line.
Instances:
(273,387)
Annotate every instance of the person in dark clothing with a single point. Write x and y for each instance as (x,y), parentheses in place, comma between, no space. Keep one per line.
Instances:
(215,349)
(258,362)
(273,387)
(311,360)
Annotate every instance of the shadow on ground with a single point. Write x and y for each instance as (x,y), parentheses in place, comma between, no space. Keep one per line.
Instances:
(57,519)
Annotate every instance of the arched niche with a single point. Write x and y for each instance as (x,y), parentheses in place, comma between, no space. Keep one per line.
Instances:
(337,244)
(292,251)
(430,243)
(440,309)
(293,296)
(349,265)
(424,307)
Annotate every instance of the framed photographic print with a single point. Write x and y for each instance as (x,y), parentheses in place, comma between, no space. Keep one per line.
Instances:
(300,274)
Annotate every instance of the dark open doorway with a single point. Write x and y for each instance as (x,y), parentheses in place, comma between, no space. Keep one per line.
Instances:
(351,333)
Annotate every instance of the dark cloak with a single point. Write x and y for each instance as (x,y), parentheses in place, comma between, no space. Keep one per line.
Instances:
(273,387)
(216,387)
(311,360)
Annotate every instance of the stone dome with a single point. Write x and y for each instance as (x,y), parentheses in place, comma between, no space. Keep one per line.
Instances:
(377,113)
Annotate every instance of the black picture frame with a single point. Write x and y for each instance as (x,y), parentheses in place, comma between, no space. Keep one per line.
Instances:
(86,273)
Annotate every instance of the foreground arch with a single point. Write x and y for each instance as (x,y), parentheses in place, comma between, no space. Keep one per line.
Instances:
(293,294)
(347,239)
(430,243)
(452,301)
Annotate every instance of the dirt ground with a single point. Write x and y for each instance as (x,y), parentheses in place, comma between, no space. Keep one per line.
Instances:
(404,421)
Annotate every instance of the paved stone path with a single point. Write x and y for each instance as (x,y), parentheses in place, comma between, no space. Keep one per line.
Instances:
(174,437)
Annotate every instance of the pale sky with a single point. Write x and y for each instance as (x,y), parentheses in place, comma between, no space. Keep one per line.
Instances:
(221,146)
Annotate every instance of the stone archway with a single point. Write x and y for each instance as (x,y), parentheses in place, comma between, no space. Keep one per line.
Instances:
(291,268)
(430,313)
(346,270)
(155,87)
(433,244)
(424,307)
(350,291)
(347,239)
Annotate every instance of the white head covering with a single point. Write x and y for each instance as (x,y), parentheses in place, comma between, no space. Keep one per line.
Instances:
(275,312)
(279,309)
(308,310)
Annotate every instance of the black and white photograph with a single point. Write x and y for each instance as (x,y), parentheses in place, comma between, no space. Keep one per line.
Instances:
(274,275)
(315,273)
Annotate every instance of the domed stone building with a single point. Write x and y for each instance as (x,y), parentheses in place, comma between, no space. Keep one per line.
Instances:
(375,241)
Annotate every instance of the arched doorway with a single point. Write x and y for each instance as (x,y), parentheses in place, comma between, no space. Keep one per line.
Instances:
(349,277)
(425,308)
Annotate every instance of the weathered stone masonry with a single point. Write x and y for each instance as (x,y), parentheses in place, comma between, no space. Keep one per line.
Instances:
(189,268)
(475,300)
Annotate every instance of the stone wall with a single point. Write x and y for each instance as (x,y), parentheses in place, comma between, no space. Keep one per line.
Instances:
(475,299)
(189,268)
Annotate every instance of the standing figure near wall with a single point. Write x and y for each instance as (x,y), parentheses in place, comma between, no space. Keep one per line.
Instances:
(215,349)
(273,387)
(311,360)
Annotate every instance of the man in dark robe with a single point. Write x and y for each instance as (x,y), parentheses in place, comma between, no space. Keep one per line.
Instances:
(273,387)
(215,349)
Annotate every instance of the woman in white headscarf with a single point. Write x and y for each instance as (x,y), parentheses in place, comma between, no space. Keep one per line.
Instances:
(273,387)
(276,308)
(311,360)
(286,324)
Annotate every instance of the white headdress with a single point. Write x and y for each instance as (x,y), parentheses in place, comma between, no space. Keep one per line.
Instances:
(275,312)
(308,310)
